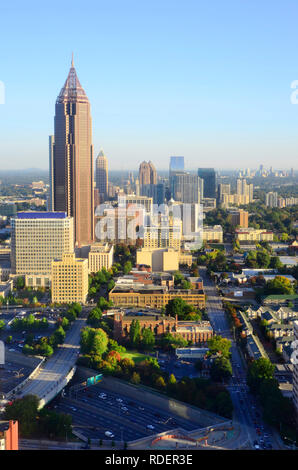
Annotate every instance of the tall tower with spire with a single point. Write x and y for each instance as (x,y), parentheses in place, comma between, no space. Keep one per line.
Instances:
(73,158)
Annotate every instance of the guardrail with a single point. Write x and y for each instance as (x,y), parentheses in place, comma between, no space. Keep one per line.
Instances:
(30,377)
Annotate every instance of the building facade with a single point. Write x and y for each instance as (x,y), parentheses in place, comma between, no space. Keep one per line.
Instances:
(73,158)
(100,256)
(102,179)
(69,279)
(37,238)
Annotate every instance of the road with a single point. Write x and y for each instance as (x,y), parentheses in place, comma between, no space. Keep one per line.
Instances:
(247,412)
(58,366)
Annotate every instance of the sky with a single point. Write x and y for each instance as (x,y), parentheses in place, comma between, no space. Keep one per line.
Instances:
(210,80)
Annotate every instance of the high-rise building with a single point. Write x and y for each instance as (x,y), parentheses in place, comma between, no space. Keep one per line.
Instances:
(176,164)
(185,188)
(245,191)
(176,168)
(209,177)
(271,199)
(51,167)
(101,177)
(239,217)
(73,158)
(223,189)
(147,173)
(36,239)
(155,191)
(69,279)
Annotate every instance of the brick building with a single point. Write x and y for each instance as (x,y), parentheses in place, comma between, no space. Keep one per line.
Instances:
(196,332)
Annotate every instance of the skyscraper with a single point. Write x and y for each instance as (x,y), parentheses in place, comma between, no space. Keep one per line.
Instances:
(208,175)
(51,167)
(73,158)
(185,188)
(147,173)
(101,177)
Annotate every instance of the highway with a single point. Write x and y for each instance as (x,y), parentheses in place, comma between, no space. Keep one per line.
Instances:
(247,412)
(56,367)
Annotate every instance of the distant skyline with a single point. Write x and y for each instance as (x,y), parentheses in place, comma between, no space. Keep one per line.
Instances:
(207,80)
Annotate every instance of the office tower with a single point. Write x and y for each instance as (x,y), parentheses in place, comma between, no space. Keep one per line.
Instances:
(69,279)
(73,158)
(185,188)
(176,164)
(271,199)
(51,167)
(201,187)
(163,231)
(36,239)
(222,190)
(244,191)
(176,167)
(102,174)
(156,191)
(147,173)
(209,177)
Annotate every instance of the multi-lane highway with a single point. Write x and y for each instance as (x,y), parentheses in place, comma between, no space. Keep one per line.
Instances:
(254,433)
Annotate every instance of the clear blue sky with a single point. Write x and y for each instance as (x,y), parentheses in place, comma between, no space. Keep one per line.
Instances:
(209,80)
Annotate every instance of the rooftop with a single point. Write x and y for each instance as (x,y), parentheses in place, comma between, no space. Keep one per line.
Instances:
(41,215)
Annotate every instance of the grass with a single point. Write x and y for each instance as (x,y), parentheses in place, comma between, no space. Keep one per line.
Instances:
(135,356)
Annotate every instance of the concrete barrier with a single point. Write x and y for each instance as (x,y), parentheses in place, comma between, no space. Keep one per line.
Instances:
(57,388)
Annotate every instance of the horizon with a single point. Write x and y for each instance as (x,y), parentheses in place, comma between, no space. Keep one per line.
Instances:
(210,82)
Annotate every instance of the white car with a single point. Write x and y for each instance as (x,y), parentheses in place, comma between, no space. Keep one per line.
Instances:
(109,434)
(124,408)
(149,426)
(12,350)
(119,400)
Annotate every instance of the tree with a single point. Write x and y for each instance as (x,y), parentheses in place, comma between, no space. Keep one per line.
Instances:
(219,345)
(93,341)
(135,379)
(260,370)
(94,317)
(221,368)
(2,325)
(25,411)
(279,285)
(160,382)
(148,339)
(20,283)
(127,267)
(135,333)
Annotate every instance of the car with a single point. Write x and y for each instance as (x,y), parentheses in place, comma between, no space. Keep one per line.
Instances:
(109,434)
(149,426)
(124,408)
(141,408)
(11,350)
(119,400)
(73,408)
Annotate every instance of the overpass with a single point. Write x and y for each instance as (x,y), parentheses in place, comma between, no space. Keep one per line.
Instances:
(58,370)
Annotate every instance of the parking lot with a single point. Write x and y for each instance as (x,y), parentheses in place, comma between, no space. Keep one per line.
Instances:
(12,375)
(101,414)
